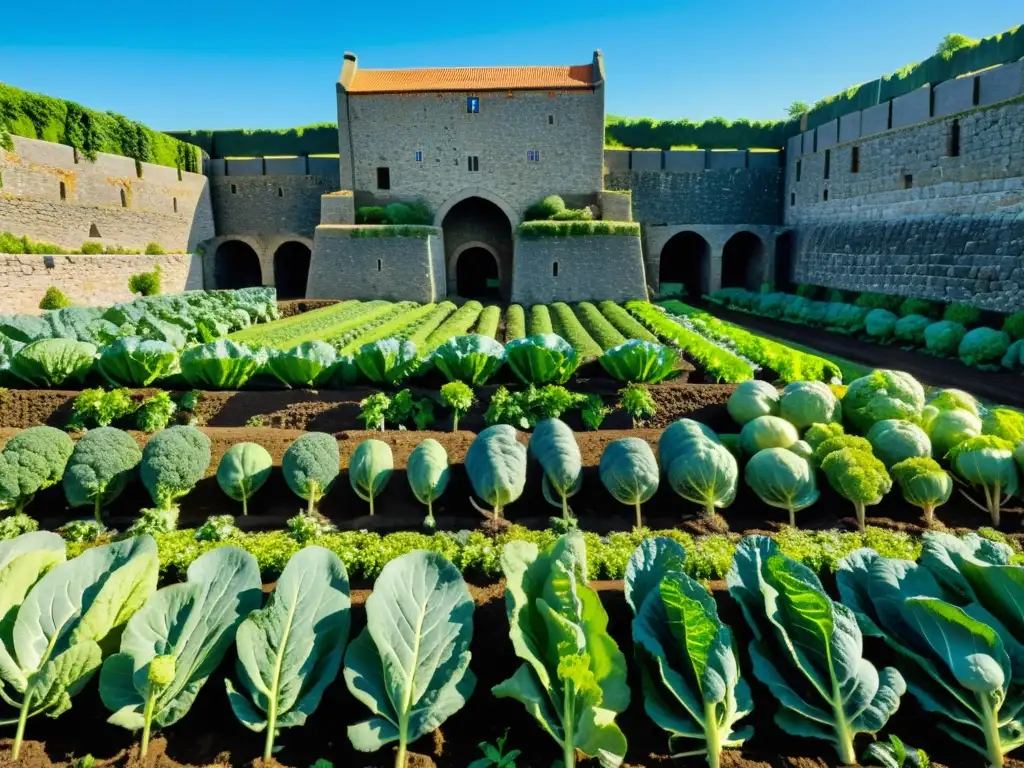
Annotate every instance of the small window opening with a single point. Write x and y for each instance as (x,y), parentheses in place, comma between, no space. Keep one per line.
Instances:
(280,192)
(234,189)
(383,178)
(954,139)
(824,195)
(551,119)
(799,168)
(175,201)
(792,198)
(554,269)
(379,265)
(94,231)
(855,160)
(976,96)
(473,162)
(828,162)
(419,156)
(63,191)
(533,155)
(124,199)
(472,104)
(908,180)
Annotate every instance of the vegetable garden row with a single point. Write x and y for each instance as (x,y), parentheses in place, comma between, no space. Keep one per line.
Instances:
(949,622)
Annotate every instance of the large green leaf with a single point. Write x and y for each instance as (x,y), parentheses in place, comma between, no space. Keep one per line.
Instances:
(428,474)
(472,359)
(243,470)
(554,446)
(53,362)
(291,650)
(135,362)
(188,627)
(370,469)
(542,359)
(648,565)
(310,364)
(410,666)
(496,465)
(222,364)
(387,361)
(629,470)
(641,361)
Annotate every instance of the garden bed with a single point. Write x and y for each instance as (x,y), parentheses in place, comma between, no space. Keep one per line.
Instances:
(997,386)
(210,735)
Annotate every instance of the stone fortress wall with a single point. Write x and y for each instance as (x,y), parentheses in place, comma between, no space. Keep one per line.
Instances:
(923,195)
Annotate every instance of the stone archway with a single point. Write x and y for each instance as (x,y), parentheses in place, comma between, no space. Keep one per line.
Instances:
(477,229)
(684,268)
(477,272)
(291,269)
(785,247)
(236,265)
(743,261)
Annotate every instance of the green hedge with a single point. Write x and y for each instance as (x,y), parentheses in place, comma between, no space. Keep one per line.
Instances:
(534,230)
(714,133)
(318,139)
(35,116)
(392,230)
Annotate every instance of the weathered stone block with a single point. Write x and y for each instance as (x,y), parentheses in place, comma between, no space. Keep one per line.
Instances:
(615,206)
(827,134)
(954,96)
(250,166)
(719,159)
(337,208)
(685,160)
(808,143)
(285,166)
(326,167)
(594,268)
(645,160)
(875,119)
(764,159)
(849,127)
(1001,83)
(914,107)
(616,160)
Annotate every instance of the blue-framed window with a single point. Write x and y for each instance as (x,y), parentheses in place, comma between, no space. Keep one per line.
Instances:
(472,104)
(533,155)
(418,154)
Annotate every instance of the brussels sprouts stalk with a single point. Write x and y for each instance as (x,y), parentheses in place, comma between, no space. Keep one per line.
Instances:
(792,517)
(990,722)
(245,505)
(97,508)
(639,519)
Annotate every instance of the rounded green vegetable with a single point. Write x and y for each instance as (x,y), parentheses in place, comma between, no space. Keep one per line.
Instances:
(310,467)
(880,324)
(819,433)
(782,479)
(954,400)
(984,348)
(943,338)
(767,432)
(882,395)
(947,429)
(839,442)
(428,474)
(924,484)
(804,403)
(677,437)
(173,461)
(1006,423)
(630,472)
(370,469)
(99,469)
(858,477)
(35,460)
(910,329)
(987,462)
(894,440)
(243,470)
(496,465)
(751,399)
(802,449)
(707,475)
(554,446)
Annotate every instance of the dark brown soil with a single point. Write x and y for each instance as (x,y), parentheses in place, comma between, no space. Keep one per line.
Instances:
(209,734)
(290,307)
(995,386)
(337,410)
(397,509)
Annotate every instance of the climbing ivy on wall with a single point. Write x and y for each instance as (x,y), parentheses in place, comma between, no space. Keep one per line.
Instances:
(35,116)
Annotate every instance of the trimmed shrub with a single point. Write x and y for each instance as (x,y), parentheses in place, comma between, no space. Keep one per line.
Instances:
(154,249)
(54,298)
(932,309)
(807,291)
(92,248)
(546,209)
(372,214)
(534,230)
(145,283)
(1014,326)
(968,316)
(573,214)
(885,301)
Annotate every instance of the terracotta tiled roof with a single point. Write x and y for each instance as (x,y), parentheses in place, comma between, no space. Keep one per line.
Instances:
(472,79)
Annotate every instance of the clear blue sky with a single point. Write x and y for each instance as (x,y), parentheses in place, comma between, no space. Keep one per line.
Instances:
(273,63)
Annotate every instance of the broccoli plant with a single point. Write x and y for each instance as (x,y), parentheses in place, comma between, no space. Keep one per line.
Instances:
(423,413)
(859,477)
(99,468)
(373,410)
(636,400)
(54,298)
(310,467)
(459,398)
(32,461)
(173,461)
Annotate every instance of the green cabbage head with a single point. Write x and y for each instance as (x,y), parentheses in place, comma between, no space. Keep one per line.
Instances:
(629,472)
(894,440)
(880,324)
(882,395)
(923,484)
(707,475)
(910,329)
(954,400)
(987,464)
(782,479)
(984,348)
(751,399)
(947,429)
(804,403)
(767,432)
(943,338)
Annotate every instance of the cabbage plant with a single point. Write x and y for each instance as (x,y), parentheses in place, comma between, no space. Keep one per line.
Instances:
(310,364)
(59,626)
(943,338)
(954,400)
(243,470)
(947,429)
(882,395)
(782,479)
(553,445)
(894,440)
(690,664)
(573,676)
(984,348)
(496,465)
(804,403)
(291,650)
(410,665)
(135,362)
(880,324)
(370,468)
(542,359)
(808,650)
(387,361)
(751,399)
(310,467)
(767,432)
(222,364)
(428,474)
(53,362)
(172,645)
(630,473)
(1006,423)
(987,463)
(641,362)
(471,359)
(707,474)
(678,437)
(954,622)
(923,484)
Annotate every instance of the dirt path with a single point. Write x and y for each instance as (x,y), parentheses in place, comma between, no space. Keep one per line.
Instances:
(1001,387)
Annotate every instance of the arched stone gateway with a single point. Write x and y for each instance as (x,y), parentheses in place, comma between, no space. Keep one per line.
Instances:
(684,268)
(478,248)
(743,262)
(236,265)
(785,247)
(291,270)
